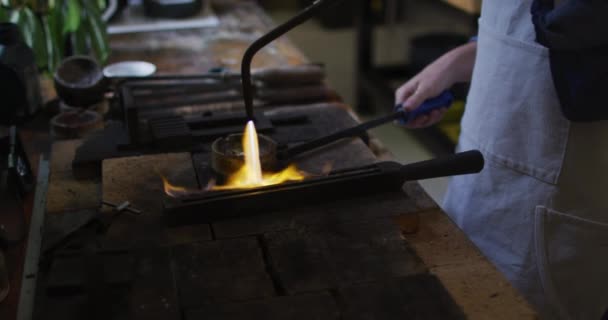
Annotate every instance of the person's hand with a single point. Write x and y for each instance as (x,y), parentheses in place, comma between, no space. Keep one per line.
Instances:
(427,84)
(454,66)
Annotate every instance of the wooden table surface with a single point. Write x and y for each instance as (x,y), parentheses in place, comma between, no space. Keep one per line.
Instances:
(475,285)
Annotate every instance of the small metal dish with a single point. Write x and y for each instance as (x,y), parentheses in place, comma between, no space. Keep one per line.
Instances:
(227,154)
(127,69)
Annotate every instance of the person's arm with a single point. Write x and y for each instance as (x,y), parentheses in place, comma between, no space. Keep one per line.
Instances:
(453,67)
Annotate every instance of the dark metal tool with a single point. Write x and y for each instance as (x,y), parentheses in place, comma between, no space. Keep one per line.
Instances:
(345,184)
(444,100)
(272,35)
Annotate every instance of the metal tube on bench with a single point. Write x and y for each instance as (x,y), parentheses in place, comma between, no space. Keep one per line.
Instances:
(275,33)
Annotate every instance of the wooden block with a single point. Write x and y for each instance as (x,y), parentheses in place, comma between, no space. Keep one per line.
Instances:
(62,154)
(319,306)
(65,193)
(423,200)
(71,307)
(415,297)
(188,234)
(324,257)
(221,271)
(69,275)
(114,305)
(59,229)
(137,180)
(476,285)
(153,293)
(361,209)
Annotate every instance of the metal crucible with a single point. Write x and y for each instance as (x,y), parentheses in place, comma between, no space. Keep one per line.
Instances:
(227,155)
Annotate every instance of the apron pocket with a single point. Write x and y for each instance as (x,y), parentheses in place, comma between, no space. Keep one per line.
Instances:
(572,257)
(512,110)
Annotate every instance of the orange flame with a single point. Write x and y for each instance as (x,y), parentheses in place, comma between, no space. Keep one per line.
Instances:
(250,175)
(177,191)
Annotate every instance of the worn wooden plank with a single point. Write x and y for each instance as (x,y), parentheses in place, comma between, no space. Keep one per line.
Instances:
(137,180)
(476,285)
(420,297)
(318,306)
(221,271)
(333,255)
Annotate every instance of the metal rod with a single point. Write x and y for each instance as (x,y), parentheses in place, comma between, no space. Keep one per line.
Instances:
(34,243)
(275,33)
(350,132)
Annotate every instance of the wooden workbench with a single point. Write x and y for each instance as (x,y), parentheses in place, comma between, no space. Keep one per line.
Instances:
(474,284)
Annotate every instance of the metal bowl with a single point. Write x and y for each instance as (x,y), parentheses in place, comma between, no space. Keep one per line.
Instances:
(79,81)
(227,154)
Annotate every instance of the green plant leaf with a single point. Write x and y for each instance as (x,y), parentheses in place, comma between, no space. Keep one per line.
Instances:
(4,14)
(53,51)
(15,16)
(32,32)
(55,32)
(97,31)
(72,19)
(101,4)
(19,18)
(38,38)
(14,3)
(79,40)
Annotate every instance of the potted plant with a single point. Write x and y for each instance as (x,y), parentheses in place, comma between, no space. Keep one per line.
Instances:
(55,29)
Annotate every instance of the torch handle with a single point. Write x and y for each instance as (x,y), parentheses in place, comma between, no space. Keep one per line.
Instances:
(456,164)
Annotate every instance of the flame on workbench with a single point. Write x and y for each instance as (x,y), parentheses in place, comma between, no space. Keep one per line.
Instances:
(177,191)
(250,175)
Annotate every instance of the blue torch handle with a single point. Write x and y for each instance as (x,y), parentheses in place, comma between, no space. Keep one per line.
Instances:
(444,100)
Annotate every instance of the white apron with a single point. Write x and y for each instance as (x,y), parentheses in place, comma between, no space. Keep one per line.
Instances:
(539,209)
